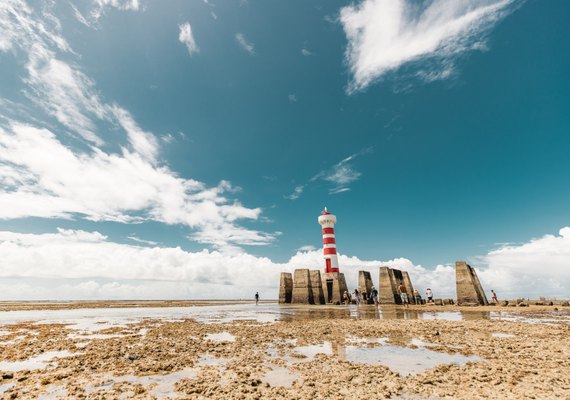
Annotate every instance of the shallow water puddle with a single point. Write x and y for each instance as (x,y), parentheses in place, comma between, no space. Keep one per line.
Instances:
(6,386)
(162,385)
(502,335)
(403,360)
(221,337)
(312,350)
(54,392)
(280,376)
(210,360)
(33,363)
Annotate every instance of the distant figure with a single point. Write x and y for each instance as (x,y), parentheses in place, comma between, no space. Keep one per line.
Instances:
(417,297)
(374,295)
(256,298)
(494,297)
(403,294)
(346,297)
(356,296)
(429,295)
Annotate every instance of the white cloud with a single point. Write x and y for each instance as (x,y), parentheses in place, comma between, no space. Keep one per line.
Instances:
(339,176)
(42,177)
(384,35)
(540,266)
(296,193)
(244,44)
(47,179)
(292,98)
(59,265)
(186,37)
(306,52)
(138,240)
(124,5)
(306,248)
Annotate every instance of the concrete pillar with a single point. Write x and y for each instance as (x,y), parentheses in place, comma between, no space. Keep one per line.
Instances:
(317,287)
(285,288)
(364,284)
(334,285)
(302,291)
(469,290)
(387,286)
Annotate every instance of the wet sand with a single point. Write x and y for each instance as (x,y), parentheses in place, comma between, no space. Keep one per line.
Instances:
(243,351)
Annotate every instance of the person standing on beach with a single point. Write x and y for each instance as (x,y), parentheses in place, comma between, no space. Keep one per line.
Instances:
(374,295)
(403,294)
(417,297)
(356,296)
(256,298)
(494,297)
(429,295)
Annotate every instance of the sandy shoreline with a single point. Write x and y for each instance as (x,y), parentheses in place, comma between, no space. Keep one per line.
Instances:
(312,353)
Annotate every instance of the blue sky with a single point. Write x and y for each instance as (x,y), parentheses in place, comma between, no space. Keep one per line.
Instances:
(435,131)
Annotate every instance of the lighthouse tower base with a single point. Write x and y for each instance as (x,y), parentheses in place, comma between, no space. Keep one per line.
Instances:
(334,286)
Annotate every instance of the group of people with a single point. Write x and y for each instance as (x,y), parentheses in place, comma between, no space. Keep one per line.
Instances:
(357,298)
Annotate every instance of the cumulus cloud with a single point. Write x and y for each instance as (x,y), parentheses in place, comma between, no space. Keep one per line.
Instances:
(245,44)
(58,265)
(384,35)
(538,267)
(47,179)
(186,37)
(44,176)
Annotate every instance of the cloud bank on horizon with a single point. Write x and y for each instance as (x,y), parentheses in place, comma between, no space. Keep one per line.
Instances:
(385,35)
(74,264)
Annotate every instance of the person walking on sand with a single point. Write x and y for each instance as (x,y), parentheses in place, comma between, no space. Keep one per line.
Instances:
(374,296)
(403,294)
(256,298)
(494,297)
(429,295)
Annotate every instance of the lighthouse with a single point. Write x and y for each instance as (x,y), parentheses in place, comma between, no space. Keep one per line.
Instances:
(327,222)
(333,281)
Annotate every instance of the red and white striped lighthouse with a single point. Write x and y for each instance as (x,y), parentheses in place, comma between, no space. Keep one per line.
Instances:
(327,221)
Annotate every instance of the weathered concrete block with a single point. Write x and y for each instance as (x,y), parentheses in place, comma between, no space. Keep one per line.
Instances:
(447,302)
(302,290)
(317,287)
(468,287)
(438,302)
(365,284)
(387,287)
(285,288)
(334,285)
(389,281)
(504,303)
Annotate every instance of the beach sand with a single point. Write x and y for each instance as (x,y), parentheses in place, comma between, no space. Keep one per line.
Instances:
(303,352)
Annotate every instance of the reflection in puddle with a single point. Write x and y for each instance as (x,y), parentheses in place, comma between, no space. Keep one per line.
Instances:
(89,336)
(33,363)
(377,351)
(404,360)
(162,385)
(210,360)
(221,337)
(6,386)
(546,318)
(312,350)
(54,392)
(280,376)
(502,335)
